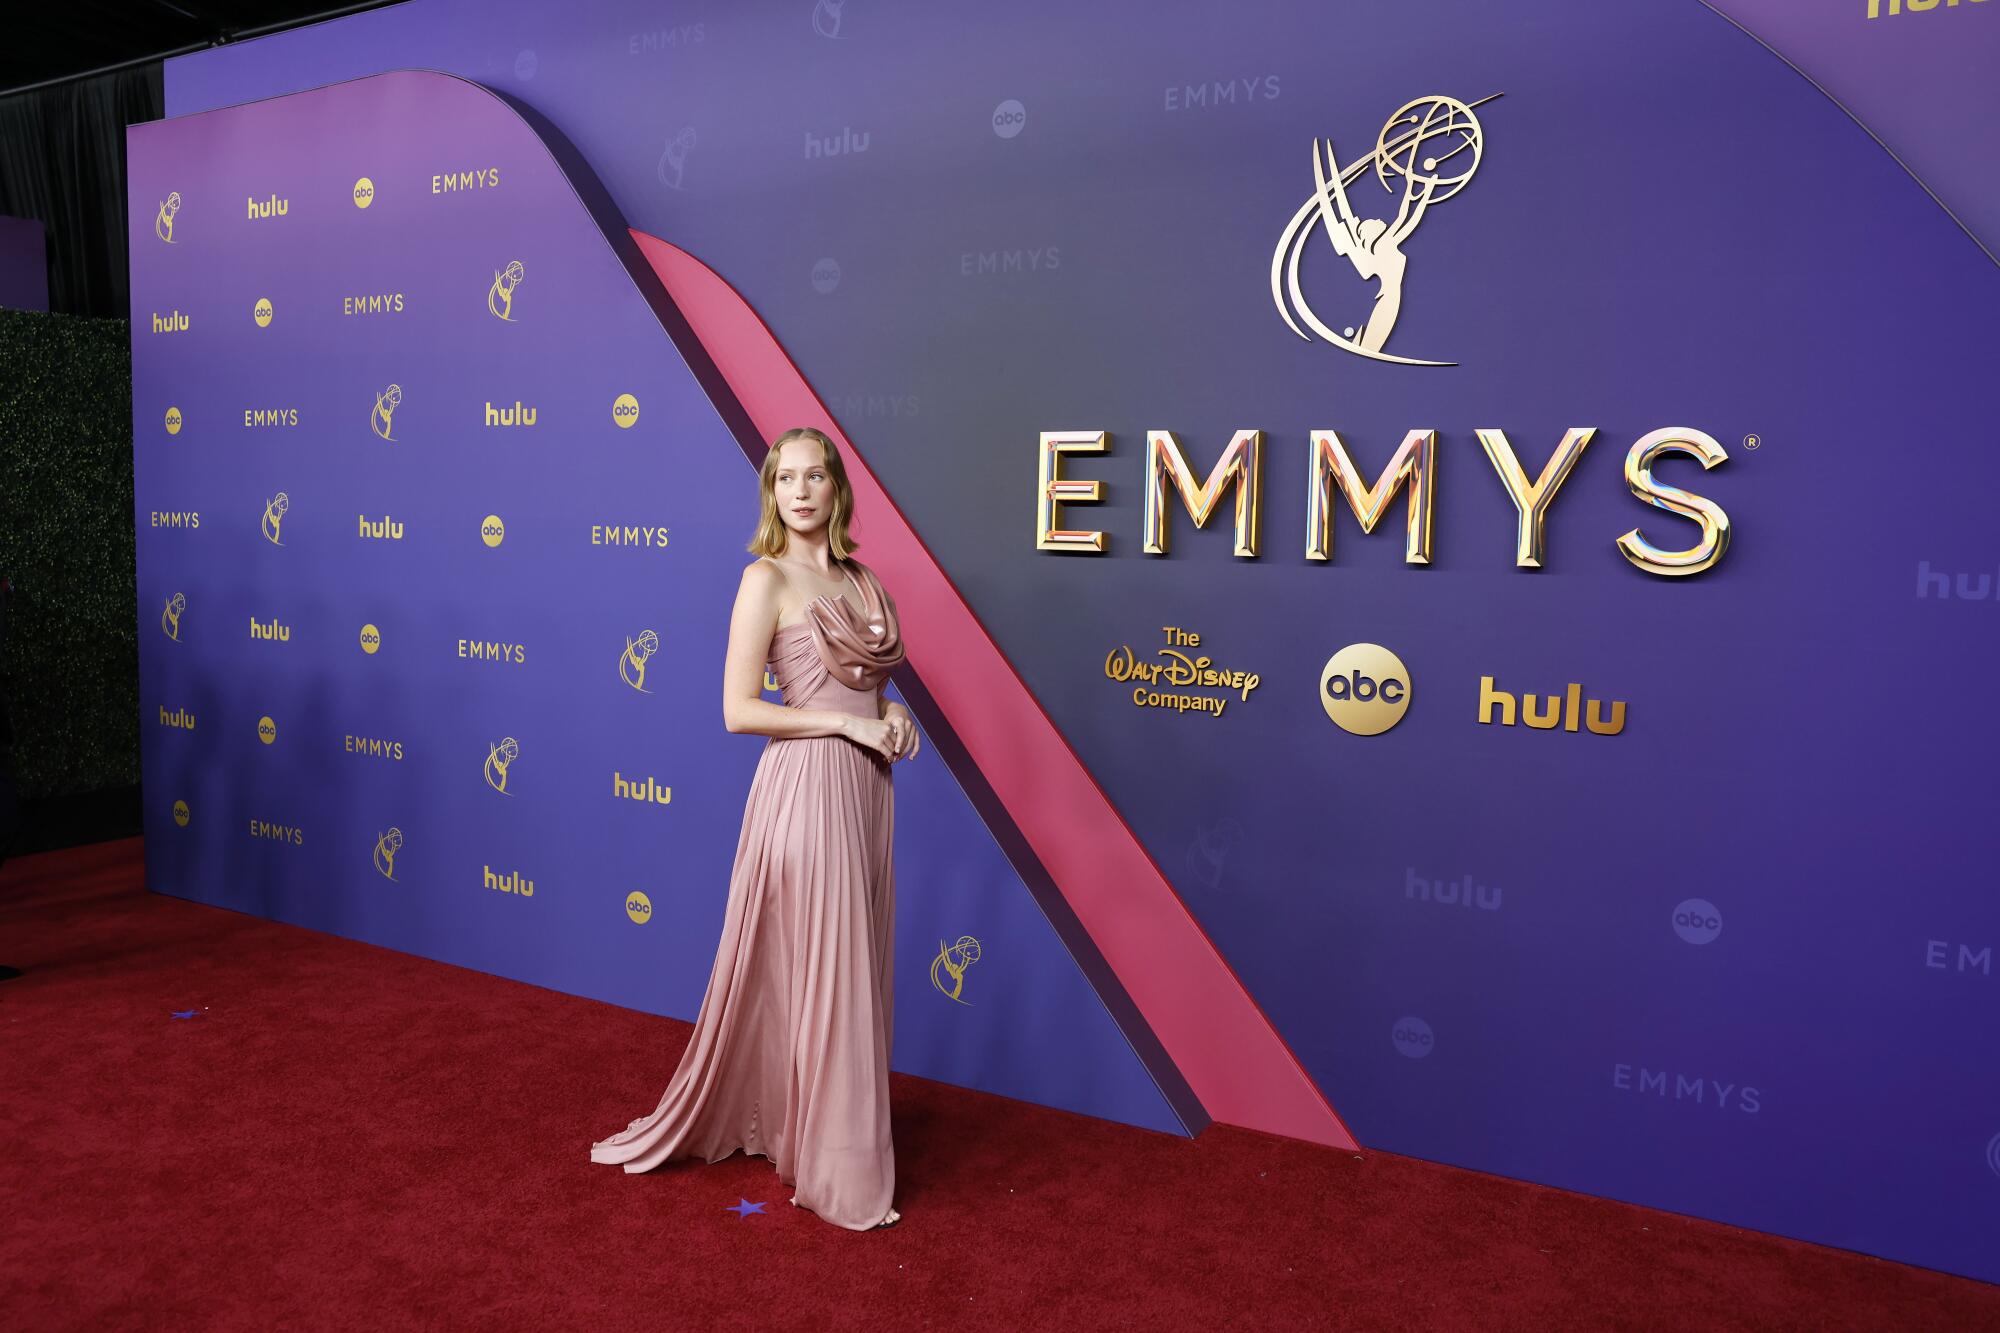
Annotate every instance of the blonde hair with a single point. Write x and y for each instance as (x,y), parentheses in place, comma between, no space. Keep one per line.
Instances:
(772,534)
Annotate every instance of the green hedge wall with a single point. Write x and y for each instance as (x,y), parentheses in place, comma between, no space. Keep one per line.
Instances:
(70,672)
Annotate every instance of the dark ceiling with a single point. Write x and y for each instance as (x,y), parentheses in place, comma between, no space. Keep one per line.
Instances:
(54,40)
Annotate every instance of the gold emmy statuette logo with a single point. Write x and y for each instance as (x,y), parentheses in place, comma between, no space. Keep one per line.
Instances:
(625,410)
(638,652)
(163,221)
(371,640)
(639,907)
(261,312)
(498,757)
(173,421)
(274,515)
(953,959)
(492,531)
(267,731)
(386,847)
(364,192)
(386,403)
(181,813)
(1365,689)
(170,619)
(500,296)
(1426,152)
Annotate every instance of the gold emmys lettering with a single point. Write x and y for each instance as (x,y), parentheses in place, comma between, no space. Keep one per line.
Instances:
(1432,146)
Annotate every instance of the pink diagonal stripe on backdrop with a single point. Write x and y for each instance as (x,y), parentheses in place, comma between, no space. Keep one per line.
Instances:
(1216,1034)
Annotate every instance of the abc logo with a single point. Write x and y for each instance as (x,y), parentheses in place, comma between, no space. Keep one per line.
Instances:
(267,731)
(262,312)
(826,276)
(1365,689)
(639,907)
(1697,921)
(173,421)
(625,410)
(364,192)
(1412,1036)
(181,813)
(492,531)
(1010,118)
(371,639)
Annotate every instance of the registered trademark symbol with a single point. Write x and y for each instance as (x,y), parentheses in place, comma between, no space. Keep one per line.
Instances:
(1752,441)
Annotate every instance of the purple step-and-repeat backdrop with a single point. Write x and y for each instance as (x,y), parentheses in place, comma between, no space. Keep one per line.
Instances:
(1664,874)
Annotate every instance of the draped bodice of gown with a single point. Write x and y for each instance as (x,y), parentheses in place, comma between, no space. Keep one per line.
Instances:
(837,657)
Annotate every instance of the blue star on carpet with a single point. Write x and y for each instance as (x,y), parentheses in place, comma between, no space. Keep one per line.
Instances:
(744,1208)
(186,1013)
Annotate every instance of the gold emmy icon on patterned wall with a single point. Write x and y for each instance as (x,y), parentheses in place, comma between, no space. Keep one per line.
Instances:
(163,221)
(386,847)
(170,619)
(952,960)
(1426,153)
(638,652)
(498,758)
(274,515)
(500,296)
(386,403)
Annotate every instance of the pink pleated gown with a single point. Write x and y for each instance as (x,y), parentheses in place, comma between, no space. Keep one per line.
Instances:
(790,1053)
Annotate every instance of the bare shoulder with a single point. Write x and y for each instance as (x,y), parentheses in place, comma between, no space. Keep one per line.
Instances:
(760,575)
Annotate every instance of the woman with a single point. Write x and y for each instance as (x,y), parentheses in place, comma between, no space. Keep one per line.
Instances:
(790,1054)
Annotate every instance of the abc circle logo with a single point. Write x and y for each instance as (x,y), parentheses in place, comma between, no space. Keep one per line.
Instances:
(1365,689)
(1412,1036)
(267,731)
(371,639)
(181,813)
(1010,118)
(173,421)
(1697,921)
(492,531)
(261,312)
(825,276)
(625,411)
(639,907)
(364,192)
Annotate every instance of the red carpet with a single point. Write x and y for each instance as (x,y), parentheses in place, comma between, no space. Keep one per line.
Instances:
(350,1137)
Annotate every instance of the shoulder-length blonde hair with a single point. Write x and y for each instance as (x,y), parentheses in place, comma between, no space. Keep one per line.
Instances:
(772,534)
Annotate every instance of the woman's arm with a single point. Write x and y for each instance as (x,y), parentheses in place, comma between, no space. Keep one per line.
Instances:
(751,626)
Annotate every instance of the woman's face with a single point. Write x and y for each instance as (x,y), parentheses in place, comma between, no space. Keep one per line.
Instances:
(803,487)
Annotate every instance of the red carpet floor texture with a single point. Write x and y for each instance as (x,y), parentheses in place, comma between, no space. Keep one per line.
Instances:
(346,1137)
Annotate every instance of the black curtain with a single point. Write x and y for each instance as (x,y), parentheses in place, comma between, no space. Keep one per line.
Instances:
(62,161)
